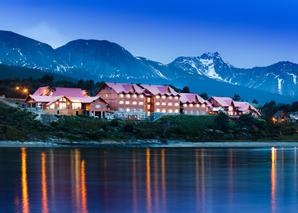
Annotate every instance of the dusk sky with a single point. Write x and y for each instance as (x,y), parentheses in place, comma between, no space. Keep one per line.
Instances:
(246,33)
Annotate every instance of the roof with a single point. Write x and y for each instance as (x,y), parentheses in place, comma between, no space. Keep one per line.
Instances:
(245,107)
(42,99)
(42,91)
(191,98)
(223,101)
(71,92)
(159,89)
(125,88)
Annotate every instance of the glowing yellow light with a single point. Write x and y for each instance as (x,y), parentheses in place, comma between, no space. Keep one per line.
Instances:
(25,90)
(17,88)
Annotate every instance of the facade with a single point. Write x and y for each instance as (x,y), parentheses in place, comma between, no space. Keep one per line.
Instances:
(66,101)
(161,99)
(231,107)
(125,100)
(193,104)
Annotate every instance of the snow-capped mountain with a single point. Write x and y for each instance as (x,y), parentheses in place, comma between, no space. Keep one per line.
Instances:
(104,60)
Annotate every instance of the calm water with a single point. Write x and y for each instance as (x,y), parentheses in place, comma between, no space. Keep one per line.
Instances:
(148,180)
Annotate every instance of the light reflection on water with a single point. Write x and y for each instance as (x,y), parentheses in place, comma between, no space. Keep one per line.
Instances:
(148,180)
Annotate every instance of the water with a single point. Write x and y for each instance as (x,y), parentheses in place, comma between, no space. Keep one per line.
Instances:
(148,180)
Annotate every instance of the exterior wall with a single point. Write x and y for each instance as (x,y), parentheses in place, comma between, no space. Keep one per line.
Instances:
(165,104)
(229,110)
(63,111)
(194,109)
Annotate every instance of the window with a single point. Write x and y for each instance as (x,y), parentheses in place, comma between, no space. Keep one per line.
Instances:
(176,104)
(157,97)
(141,103)
(148,100)
(170,97)
(52,106)
(126,102)
(170,110)
(121,102)
(134,96)
(163,110)
(76,105)
(134,103)
(157,110)
(198,105)
(191,105)
(176,110)
(184,105)
(176,98)
(163,103)
(121,95)
(157,103)
(170,104)
(127,95)
(163,97)
(127,110)
(141,96)
(204,105)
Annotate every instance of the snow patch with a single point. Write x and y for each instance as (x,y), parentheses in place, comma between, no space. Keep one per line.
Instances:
(279,85)
(294,77)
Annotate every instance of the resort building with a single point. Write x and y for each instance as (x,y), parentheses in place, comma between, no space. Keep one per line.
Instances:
(125,100)
(231,107)
(161,99)
(193,104)
(66,101)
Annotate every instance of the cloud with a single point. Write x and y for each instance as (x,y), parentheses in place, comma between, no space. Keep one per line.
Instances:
(45,33)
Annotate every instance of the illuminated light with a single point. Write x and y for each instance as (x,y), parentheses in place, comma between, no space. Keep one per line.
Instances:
(148,100)
(148,181)
(204,105)
(148,106)
(141,96)
(134,96)
(25,90)
(163,103)
(170,110)
(190,105)
(198,105)
(121,95)
(17,88)
(176,110)
(157,110)
(25,195)
(163,179)
(273,178)
(127,110)
(157,97)
(170,104)
(141,103)
(157,103)
(121,102)
(44,190)
(84,188)
(163,97)
(126,102)
(170,97)
(176,98)
(230,108)
(127,95)
(176,104)
(184,105)
(163,110)
(134,103)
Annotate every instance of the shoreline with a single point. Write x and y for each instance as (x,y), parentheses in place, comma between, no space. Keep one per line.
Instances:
(146,144)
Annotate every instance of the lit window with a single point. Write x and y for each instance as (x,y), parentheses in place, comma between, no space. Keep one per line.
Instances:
(157,110)
(148,99)
(176,104)
(203,105)
(163,97)
(163,103)
(157,97)
(141,96)
(148,106)
(141,103)
(134,103)
(191,105)
(134,96)
(176,110)
(170,104)
(121,109)
(76,105)
(176,98)
(126,102)
(170,110)
(127,110)
(121,95)
(121,102)
(52,106)
(184,105)
(170,97)
(157,104)
(127,95)
(163,110)
(197,105)
(230,108)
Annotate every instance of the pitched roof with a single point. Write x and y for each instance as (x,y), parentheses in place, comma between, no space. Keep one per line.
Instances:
(71,92)
(42,91)
(42,99)
(223,101)
(159,89)
(125,88)
(191,98)
(245,106)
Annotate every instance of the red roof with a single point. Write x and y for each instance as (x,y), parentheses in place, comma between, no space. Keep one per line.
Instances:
(159,90)
(223,101)
(191,98)
(125,88)
(71,92)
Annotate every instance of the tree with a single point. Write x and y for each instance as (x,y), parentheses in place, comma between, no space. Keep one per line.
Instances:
(254,101)
(222,121)
(236,97)
(204,95)
(185,89)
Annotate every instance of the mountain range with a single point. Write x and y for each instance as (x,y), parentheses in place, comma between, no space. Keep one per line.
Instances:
(102,60)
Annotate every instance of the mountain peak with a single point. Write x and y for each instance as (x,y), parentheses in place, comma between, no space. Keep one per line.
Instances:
(210,55)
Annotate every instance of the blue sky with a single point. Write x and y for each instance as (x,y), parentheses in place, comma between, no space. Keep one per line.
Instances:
(246,33)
